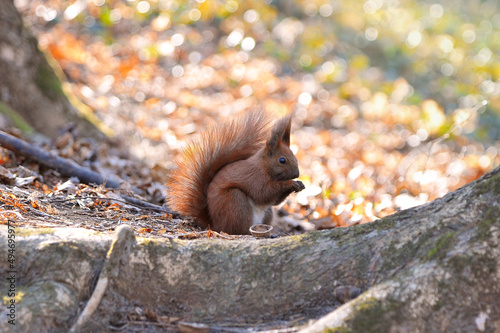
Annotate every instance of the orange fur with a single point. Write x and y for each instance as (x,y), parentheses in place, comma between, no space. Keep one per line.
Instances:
(231,176)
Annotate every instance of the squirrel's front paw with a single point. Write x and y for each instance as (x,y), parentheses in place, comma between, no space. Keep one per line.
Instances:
(298,186)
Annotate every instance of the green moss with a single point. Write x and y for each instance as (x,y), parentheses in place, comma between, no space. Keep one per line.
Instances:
(386,223)
(18,298)
(372,315)
(23,232)
(336,330)
(48,82)
(397,256)
(425,246)
(16,119)
(490,218)
(362,229)
(444,243)
(490,185)
(148,241)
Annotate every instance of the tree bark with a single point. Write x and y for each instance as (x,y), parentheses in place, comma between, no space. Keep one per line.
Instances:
(28,83)
(431,268)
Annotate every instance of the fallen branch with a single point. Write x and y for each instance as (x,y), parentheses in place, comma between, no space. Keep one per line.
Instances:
(64,166)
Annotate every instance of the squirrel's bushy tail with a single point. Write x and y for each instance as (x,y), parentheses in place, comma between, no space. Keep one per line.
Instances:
(203,158)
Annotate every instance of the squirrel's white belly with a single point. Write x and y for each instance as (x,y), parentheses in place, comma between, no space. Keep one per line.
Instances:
(258,213)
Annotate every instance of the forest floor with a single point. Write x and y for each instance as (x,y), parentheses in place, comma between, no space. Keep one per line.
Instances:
(360,158)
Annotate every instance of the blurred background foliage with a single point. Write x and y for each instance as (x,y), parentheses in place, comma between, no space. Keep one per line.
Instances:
(444,50)
(396,102)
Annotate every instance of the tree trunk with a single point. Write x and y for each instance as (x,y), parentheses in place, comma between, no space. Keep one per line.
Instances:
(28,83)
(431,268)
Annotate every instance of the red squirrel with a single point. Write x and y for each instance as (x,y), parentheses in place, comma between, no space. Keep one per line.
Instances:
(231,176)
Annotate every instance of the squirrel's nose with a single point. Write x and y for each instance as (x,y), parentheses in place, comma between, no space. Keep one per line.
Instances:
(296,175)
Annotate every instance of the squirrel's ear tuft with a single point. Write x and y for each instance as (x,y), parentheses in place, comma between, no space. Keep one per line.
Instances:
(280,134)
(285,138)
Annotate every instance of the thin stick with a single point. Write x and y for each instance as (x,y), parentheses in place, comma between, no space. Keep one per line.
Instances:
(92,304)
(64,166)
(118,250)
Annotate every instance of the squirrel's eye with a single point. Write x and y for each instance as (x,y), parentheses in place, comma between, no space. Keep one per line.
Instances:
(282,160)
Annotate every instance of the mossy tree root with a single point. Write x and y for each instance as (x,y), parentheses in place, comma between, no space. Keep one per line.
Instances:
(430,268)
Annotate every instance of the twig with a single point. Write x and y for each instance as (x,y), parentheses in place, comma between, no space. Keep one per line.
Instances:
(152,323)
(221,235)
(127,200)
(190,234)
(230,329)
(120,247)
(92,304)
(64,166)
(149,205)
